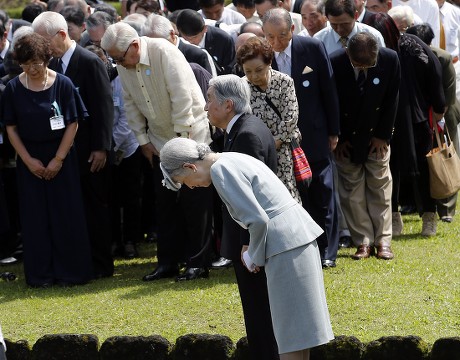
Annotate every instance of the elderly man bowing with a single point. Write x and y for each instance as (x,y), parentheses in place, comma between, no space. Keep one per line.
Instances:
(160,87)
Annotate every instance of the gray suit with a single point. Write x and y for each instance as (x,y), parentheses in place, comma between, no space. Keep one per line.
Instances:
(283,239)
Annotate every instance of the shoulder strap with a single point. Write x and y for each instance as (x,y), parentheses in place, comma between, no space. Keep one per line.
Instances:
(269,102)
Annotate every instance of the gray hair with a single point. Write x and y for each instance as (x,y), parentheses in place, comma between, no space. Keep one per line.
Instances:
(50,22)
(278,16)
(157,26)
(178,151)
(234,88)
(19,33)
(99,18)
(118,36)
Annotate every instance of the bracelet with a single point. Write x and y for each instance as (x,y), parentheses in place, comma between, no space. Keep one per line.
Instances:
(59,159)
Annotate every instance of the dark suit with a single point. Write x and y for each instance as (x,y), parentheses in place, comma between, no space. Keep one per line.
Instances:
(446,207)
(249,135)
(222,48)
(89,76)
(196,55)
(367,111)
(367,17)
(318,119)
(371,114)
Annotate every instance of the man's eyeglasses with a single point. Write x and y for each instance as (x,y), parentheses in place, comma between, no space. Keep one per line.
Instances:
(120,60)
(363,67)
(35,66)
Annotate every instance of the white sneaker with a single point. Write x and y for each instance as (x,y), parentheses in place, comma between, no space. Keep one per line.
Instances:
(429,224)
(397,223)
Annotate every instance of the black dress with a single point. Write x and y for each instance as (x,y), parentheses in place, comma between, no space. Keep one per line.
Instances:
(54,234)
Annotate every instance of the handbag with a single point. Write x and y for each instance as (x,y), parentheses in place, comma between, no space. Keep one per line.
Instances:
(302,171)
(444,167)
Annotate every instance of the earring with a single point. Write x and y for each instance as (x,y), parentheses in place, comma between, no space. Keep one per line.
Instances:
(194,170)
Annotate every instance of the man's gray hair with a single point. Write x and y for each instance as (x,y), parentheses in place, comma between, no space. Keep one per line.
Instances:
(19,33)
(234,88)
(402,14)
(50,22)
(99,18)
(178,151)
(278,16)
(118,36)
(157,26)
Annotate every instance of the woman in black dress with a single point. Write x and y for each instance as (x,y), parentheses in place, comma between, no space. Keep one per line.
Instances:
(40,109)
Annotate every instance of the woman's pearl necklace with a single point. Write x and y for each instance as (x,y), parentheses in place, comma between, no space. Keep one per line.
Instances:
(46,81)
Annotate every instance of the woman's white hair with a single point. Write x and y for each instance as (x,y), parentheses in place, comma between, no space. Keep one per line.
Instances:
(50,22)
(178,151)
(234,88)
(118,36)
(157,26)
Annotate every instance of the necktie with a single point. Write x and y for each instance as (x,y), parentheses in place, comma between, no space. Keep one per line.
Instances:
(442,34)
(225,138)
(283,63)
(360,81)
(59,68)
(343,40)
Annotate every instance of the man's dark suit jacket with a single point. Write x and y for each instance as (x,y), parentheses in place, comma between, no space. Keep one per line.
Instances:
(222,48)
(89,76)
(249,135)
(373,113)
(316,95)
(196,55)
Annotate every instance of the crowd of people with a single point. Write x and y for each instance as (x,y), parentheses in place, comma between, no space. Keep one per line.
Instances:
(89,99)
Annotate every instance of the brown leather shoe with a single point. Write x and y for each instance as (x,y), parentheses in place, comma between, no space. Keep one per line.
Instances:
(384,253)
(363,252)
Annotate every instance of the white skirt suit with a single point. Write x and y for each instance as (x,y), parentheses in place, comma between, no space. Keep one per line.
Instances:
(283,239)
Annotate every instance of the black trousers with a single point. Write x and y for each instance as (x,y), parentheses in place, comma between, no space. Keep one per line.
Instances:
(256,309)
(96,192)
(184,221)
(321,205)
(126,199)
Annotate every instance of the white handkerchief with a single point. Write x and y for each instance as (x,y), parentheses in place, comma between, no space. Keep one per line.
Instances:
(307,69)
(248,261)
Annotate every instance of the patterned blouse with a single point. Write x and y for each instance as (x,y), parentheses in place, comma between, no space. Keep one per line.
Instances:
(281,92)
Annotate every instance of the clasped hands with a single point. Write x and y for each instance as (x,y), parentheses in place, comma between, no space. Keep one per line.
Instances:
(37,168)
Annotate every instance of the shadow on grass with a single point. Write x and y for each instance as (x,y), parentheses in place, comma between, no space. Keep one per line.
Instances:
(128,275)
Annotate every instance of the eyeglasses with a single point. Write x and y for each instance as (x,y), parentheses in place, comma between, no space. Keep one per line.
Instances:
(122,59)
(363,67)
(35,66)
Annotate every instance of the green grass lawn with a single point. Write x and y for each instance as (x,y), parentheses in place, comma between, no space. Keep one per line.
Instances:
(418,293)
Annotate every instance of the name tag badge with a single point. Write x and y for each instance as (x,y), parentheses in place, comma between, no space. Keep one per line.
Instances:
(57,122)
(116,101)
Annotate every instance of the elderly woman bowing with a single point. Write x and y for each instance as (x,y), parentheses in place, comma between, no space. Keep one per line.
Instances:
(282,237)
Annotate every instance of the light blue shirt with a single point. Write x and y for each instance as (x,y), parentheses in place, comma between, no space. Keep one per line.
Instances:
(124,138)
(331,39)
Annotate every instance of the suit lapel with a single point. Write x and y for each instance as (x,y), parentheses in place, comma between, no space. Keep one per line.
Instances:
(72,68)
(234,133)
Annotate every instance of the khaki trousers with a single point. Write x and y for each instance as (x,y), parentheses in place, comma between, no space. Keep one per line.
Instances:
(365,194)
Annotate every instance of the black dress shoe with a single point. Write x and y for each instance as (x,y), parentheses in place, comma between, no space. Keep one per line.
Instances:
(221,263)
(161,272)
(328,264)
(345,242)
(193,273)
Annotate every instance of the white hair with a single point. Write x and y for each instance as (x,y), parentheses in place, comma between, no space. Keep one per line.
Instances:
(402,14)
(19,33)
(118,36)
(157,26)
(178,151)
(50,22)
